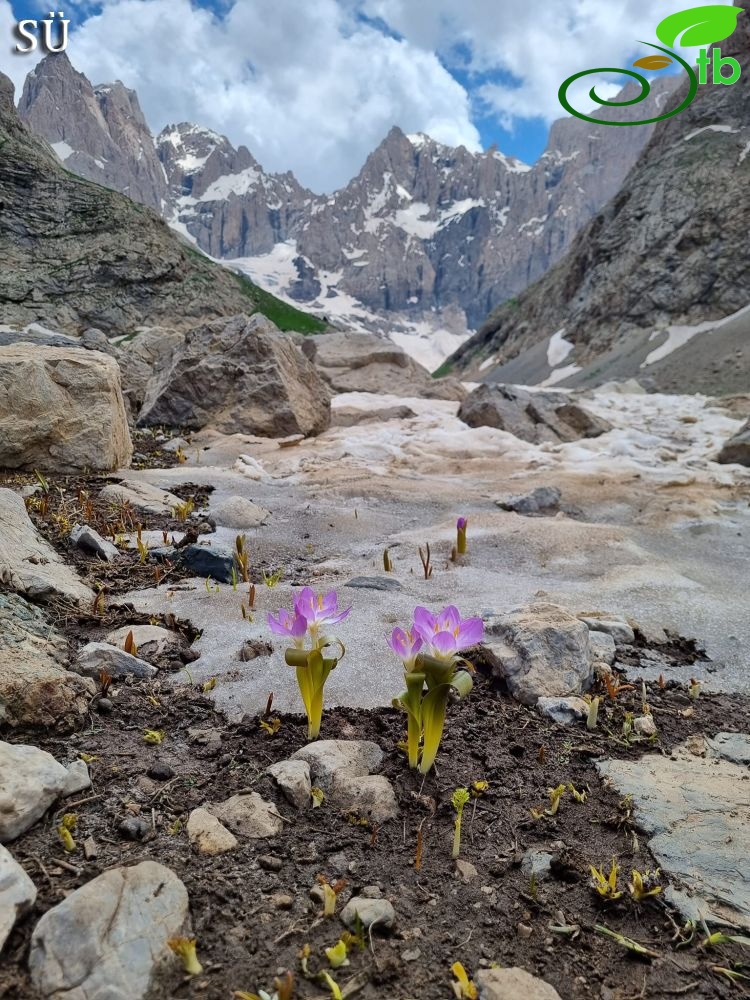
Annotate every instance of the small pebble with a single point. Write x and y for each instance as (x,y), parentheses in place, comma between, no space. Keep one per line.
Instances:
(524,931)
(270,863)
(160,771)
(90,849)
(372,892)
(411,956)
(135,827)
(104,706)
(282,901)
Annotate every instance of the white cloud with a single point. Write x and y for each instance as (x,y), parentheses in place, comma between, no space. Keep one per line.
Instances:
(306,86)
(540,44)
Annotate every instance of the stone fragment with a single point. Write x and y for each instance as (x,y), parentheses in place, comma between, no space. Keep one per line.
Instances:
(17,893)
(151,641)
(30,781)
(79,778)
(563,710)
(84,537)
(384,583)
(603,648)
(142,496)
(239,513)
(620,631)
(373,913)
(330,760)
(96,657)
(371,796)
(248,816)
(293,778)
(208,835)
(512,984)
(543,500)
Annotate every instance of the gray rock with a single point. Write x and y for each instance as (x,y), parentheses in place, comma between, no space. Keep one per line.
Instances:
(30,781)
(109,938)
(563,710)
(644,725)
(373,913)
(35,688)
(135,827)
(734,747)
(537,863)
(346,416)
(538,417)
(331,760)
(695,811)
(293,778)
(175,444)
(248,816)
(214,560)
(620,631)
(239,513)
(241,376)
(737,449)
(371,796)
(512,984)
(384,583)
(61,409)
(17,893)
(603,647)
(94,340)
(79,778)
(91,541)
(540,651)
(150,640)
(142,496)
(543,500)
(207,835)
(98,656)
(28,564)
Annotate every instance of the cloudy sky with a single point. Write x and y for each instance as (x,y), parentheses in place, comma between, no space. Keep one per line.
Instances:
(314,85)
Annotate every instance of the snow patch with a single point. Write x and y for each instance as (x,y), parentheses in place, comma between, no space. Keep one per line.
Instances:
(558,349)
(236,184)
(62,150)
(560,375)
(678,336)
(710,128)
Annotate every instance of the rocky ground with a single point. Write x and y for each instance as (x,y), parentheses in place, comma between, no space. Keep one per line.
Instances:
(179,768)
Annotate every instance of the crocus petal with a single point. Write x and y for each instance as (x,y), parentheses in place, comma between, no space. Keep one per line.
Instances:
(335,619)
(449,619)
(298,627)
(399,643)
(443,643)
(461,523)
(470,632)
(305,604)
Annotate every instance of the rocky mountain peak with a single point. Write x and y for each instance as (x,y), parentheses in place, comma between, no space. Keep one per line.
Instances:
(101,134)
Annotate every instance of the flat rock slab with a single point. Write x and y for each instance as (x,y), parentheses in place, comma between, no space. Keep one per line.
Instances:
(207,835)
(150,640)
(28,564)
(293,778)
(696,811)
(141,495)
(35,688)
(109,938)
(239,513)
(30,781)
(513,984)
(17,893)
(248,816)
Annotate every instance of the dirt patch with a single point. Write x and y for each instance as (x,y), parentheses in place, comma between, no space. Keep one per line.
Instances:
(248,932)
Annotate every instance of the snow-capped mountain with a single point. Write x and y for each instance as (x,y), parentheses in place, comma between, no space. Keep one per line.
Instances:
(425,241)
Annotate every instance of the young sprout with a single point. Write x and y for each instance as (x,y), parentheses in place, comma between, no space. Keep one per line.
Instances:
(463,987)
(142,550)
(209,685)
(426,561)
(430,652)
(272,579)
(182,511)
(593,717)
(458,800)
(242,557)
(580,797)
(606,886)
(234,579)
(251,597)
(695,689)
(185,949)
(644,885)
(130,646)
(318,797)
(65,832)
(271,727)
(387,562)
(337,955)
(478,788)
(613,686)
(461,525)
(154,736)
(180,456)
(555,798)
(332,985)
(311,615)
(330,893)
(645,710)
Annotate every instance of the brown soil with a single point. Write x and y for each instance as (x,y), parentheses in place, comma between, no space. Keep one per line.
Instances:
(246,937)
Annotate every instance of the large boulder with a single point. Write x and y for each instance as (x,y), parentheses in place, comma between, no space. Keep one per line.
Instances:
(148,352)
(28,563)
(364,362)
(539,651)
(61,409)
(239,375)
(110,937)
(737,449)
(533,416)
(35,688)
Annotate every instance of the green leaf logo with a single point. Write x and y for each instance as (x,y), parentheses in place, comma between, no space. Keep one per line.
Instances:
(699,25)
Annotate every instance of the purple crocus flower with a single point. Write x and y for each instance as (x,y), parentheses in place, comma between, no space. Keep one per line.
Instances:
(405,645)
(447,633)
(291,625)
(319,609)
(461,524)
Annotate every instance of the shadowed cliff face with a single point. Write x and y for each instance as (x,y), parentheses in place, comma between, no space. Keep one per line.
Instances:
(75,254)
(670,248)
